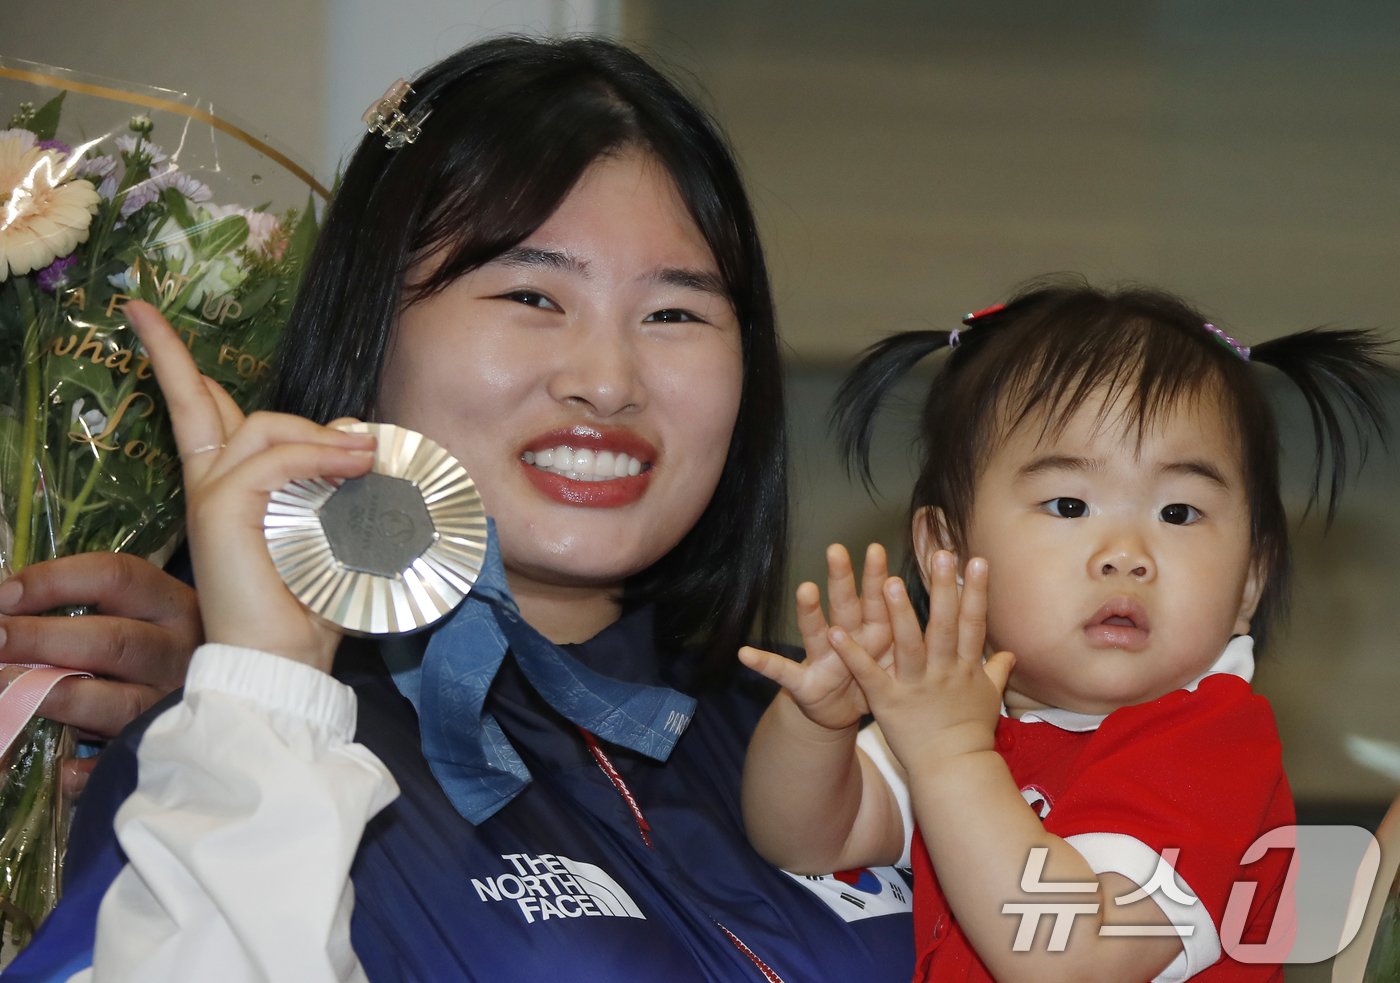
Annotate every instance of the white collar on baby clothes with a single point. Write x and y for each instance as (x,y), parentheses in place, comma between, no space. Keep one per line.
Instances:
(1236,660)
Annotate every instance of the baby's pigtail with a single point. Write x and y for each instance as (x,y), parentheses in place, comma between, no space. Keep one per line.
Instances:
(858,400)
(1340,374)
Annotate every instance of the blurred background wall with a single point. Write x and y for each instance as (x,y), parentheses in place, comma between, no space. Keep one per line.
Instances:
(915,159)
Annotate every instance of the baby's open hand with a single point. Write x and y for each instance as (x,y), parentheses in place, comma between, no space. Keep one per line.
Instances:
(935,698)
(821,685)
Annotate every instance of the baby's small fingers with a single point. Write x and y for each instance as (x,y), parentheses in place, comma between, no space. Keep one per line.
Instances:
(811,623)
(943,603)
(873,576)
(998,669)
(771,665)
(866,672)
(972,611)
(910,659)
(841,593)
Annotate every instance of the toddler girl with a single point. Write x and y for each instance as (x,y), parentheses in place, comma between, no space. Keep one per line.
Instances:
(1104,469)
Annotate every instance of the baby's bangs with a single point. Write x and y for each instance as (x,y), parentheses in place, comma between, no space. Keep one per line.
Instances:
(1140,369)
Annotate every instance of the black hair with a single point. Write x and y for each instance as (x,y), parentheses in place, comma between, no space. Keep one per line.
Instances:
(514,123)
(1059,341)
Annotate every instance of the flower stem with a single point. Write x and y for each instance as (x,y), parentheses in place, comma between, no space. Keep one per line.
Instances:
(29,464)
(73,510)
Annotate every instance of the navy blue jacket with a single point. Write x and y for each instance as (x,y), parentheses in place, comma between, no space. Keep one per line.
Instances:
(567,882)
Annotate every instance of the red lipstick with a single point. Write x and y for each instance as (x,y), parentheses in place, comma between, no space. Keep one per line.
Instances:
(605,493)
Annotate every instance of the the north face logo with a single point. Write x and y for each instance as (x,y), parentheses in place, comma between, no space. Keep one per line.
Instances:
(550,886)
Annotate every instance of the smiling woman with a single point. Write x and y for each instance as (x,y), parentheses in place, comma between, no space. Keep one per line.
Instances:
(581,346)
(558,279)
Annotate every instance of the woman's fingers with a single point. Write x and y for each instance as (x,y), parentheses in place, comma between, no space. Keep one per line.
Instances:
(116,584)
(98,707)
(195,414)
(230,415)
(115,648)
(263,431)
(138,641)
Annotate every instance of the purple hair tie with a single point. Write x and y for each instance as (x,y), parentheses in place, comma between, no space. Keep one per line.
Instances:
(1241,350)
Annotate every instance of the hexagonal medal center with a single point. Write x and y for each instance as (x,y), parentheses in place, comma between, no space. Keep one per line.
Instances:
(377,524)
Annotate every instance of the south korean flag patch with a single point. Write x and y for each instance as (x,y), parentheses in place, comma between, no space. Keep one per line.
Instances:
(866,892)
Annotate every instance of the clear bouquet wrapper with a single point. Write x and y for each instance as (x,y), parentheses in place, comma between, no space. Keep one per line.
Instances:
(110,192)
(1383,965)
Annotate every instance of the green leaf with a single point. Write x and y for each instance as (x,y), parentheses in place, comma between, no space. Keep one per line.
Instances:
(257,298)
(82,373)
(302,239)
(221,237)
(178,206)
(10,444)
(44,123)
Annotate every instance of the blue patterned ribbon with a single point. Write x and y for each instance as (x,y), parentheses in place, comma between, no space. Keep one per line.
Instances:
(466,749)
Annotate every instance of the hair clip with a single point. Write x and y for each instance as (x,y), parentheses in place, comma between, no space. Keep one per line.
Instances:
(984,312)
(385,115)
(1241,350)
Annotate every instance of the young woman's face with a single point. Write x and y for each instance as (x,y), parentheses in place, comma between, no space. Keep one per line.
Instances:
(589,380)
(1118,570)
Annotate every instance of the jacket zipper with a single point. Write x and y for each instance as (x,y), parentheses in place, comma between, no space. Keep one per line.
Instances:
(644,828)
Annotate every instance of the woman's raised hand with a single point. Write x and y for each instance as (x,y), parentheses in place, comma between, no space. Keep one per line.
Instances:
(231,465)
(821,685)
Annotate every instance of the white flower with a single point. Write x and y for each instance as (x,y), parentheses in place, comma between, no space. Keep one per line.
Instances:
(45,212)
(91,422)
(212,276)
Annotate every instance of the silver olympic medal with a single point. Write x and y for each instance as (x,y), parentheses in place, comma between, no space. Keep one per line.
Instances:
(389,552)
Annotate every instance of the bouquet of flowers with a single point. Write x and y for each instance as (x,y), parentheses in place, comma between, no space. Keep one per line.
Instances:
(96,209)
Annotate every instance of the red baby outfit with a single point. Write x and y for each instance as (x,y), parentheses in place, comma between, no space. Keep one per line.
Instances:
(1199,771)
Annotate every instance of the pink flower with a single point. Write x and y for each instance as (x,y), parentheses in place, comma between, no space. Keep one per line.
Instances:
(265,233)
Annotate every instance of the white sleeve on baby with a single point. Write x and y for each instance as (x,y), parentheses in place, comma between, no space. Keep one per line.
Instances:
(871,740)
(1118,853)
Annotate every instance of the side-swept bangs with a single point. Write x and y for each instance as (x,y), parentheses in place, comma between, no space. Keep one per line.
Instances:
(514,124)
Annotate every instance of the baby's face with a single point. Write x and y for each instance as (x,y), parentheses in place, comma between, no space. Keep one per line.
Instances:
(1119,569)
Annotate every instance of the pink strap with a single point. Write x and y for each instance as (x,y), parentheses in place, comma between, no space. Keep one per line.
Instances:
(22,697)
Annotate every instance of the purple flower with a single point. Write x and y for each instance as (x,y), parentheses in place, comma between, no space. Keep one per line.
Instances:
(55,275)
(58,145)
(141,195)
(102,171)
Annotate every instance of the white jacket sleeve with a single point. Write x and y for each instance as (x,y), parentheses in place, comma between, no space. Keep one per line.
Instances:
(250,803)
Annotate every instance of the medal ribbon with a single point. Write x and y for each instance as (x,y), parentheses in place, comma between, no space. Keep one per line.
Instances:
(469,754)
